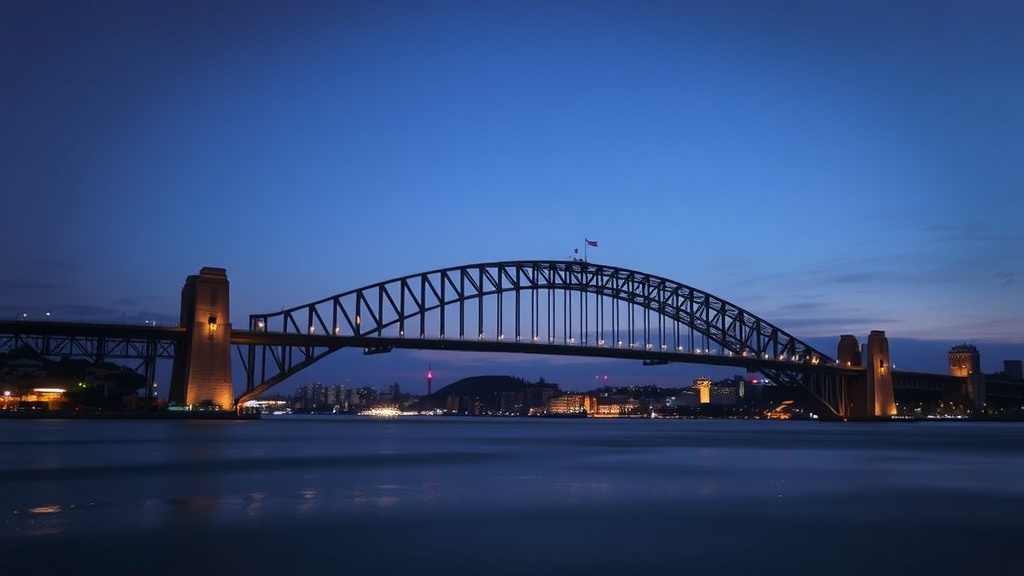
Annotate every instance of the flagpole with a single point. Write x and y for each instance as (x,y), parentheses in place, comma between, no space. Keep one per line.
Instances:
(585,244)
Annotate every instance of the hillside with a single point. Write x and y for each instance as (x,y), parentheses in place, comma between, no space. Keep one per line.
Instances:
(481,386)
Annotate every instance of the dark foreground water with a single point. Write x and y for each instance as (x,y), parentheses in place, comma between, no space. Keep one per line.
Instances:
(333,495)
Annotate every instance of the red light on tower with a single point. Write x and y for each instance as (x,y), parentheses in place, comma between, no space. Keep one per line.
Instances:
(430,380)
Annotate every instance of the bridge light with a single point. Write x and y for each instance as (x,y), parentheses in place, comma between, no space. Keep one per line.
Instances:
(572,341)
(337,330)
(481,336)
(259,324)
(212,322)
(679,348)
(501,336)
(312,329)
(401,333)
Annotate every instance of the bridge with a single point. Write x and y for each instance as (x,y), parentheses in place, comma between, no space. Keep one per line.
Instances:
(570,307)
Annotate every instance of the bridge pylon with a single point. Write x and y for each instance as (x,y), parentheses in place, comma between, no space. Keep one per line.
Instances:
(871,395)
(201,374)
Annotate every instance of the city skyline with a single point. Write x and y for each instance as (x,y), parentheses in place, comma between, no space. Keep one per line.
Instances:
(833,168)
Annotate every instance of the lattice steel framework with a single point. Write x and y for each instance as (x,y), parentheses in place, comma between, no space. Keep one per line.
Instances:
(96,342)
(548,307)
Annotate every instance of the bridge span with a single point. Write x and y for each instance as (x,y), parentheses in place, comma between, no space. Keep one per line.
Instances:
(570,307)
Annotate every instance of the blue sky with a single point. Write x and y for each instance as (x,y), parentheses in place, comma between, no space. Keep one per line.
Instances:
(834,167)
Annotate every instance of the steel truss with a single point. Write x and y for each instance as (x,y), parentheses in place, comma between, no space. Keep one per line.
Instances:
(95,342)
(560,307)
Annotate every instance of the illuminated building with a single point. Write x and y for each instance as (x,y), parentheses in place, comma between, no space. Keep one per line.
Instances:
(965,361)
(572,404)
(725,393)
(615,406)
(53,397)
(703,386)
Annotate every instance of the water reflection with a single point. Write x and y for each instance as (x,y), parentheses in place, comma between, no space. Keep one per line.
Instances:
(308,502)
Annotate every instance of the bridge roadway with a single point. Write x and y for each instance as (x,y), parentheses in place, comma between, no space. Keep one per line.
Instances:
(380,344)
(56,338)
(89,329)
(96,341)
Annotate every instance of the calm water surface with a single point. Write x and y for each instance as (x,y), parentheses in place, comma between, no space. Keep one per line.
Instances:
(295,494)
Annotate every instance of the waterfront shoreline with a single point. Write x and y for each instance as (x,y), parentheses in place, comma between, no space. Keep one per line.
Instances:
(159,415)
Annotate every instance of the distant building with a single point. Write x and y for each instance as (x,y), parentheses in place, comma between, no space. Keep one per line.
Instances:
(964,360)
(316,397)
(688,397)
(614,406)
(725,393)
(512,403)
(23,369)
(572,404)
(703,386)
(1013,369)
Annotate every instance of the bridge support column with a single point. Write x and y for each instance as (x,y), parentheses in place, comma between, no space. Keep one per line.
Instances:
(870,396)
(202,368)
(879,375)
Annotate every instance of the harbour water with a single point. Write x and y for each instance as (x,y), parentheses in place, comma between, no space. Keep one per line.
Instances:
(433,495)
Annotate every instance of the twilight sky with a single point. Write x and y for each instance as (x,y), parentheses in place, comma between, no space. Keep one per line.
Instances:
(834,167)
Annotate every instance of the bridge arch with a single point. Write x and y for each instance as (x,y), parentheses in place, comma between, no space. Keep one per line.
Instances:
(540,306)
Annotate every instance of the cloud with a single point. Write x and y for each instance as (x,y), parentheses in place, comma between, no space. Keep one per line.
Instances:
(804,304)
(854,277)
(807,328)
(970,232)
(30,285)
(1006,278)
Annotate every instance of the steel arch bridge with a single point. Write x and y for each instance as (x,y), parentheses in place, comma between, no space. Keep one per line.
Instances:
(539,306)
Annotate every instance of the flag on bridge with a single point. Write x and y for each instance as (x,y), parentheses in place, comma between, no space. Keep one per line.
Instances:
(588,242)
